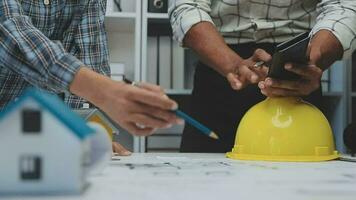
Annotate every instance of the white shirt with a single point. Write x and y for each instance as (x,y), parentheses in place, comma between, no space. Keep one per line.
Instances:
(274,21)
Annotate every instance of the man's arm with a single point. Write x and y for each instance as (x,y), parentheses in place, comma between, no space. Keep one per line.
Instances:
(90,39)
(204,39)
(43,63)
(193,28)
(339,18)
(334,34)
(334,37)
(130,106)
(27,51)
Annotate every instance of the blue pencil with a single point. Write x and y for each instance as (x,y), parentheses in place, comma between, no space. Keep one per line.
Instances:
(196,124)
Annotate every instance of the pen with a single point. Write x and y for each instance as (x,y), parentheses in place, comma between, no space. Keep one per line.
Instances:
(262,63)
(258,64)
(205,130)
(196,124)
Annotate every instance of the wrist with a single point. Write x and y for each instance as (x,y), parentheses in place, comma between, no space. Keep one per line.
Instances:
(325,49)
(91,86)
(208,43)
(229,63)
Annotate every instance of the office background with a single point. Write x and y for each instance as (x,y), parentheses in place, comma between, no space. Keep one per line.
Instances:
(141,48)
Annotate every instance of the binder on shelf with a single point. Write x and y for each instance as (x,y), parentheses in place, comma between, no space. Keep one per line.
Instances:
(152,60)
(177,66)
(164,62)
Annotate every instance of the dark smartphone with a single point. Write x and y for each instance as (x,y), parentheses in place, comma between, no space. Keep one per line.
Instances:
(294,51)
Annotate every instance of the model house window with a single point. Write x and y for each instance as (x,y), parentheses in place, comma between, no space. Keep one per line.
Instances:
(30,167)
(31,121)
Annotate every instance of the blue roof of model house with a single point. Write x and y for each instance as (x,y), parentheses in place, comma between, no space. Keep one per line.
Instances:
(55,106)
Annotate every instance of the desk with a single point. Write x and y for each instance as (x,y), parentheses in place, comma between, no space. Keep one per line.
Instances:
(173,176)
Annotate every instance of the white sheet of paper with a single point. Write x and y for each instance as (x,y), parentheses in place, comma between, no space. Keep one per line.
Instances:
(212,176)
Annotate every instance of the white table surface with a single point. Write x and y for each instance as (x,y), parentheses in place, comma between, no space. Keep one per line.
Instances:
(172,176)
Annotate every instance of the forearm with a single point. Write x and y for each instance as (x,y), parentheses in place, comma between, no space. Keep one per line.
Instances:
(91,86)
(339,18)
(325,49)
(193,27)
(204,39)
(27,51)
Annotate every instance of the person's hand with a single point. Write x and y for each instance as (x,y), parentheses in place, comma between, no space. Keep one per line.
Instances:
(309,81)
(139,109)
(118,149)
(323,50)
(245,72)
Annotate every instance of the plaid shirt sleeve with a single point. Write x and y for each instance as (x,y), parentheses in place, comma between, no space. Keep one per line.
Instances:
(186,13)
(90,41)
(28,52)
(339,17)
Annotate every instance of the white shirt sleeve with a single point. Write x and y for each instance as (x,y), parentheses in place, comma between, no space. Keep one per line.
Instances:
(184,14)
(339,17)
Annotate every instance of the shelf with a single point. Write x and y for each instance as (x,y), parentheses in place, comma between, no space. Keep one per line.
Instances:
(178,91)
(120,24)
(121,15)
(157,15)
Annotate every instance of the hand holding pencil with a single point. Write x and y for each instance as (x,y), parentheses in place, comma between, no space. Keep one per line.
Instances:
(203,129)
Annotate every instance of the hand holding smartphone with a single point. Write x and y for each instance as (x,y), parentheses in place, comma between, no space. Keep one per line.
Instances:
(291,51)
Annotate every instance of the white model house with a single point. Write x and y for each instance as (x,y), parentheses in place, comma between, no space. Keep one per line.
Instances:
(44,146)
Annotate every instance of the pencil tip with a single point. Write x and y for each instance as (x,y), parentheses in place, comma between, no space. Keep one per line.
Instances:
(214,135)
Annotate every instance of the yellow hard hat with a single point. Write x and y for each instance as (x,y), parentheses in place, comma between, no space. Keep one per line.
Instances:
(284,129)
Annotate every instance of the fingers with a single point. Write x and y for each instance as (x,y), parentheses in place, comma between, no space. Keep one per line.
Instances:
(308,82)
(149,116)
(277,92)
(153,99)
(120,150)
(139,109)
(261,55)
(283,84)
(244,76)
(154,88)
(260,71)
(138,131)
(164,115)
(306,71)
(247,75)
(234,81)
(273,87)
(149,121)
(155,112)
